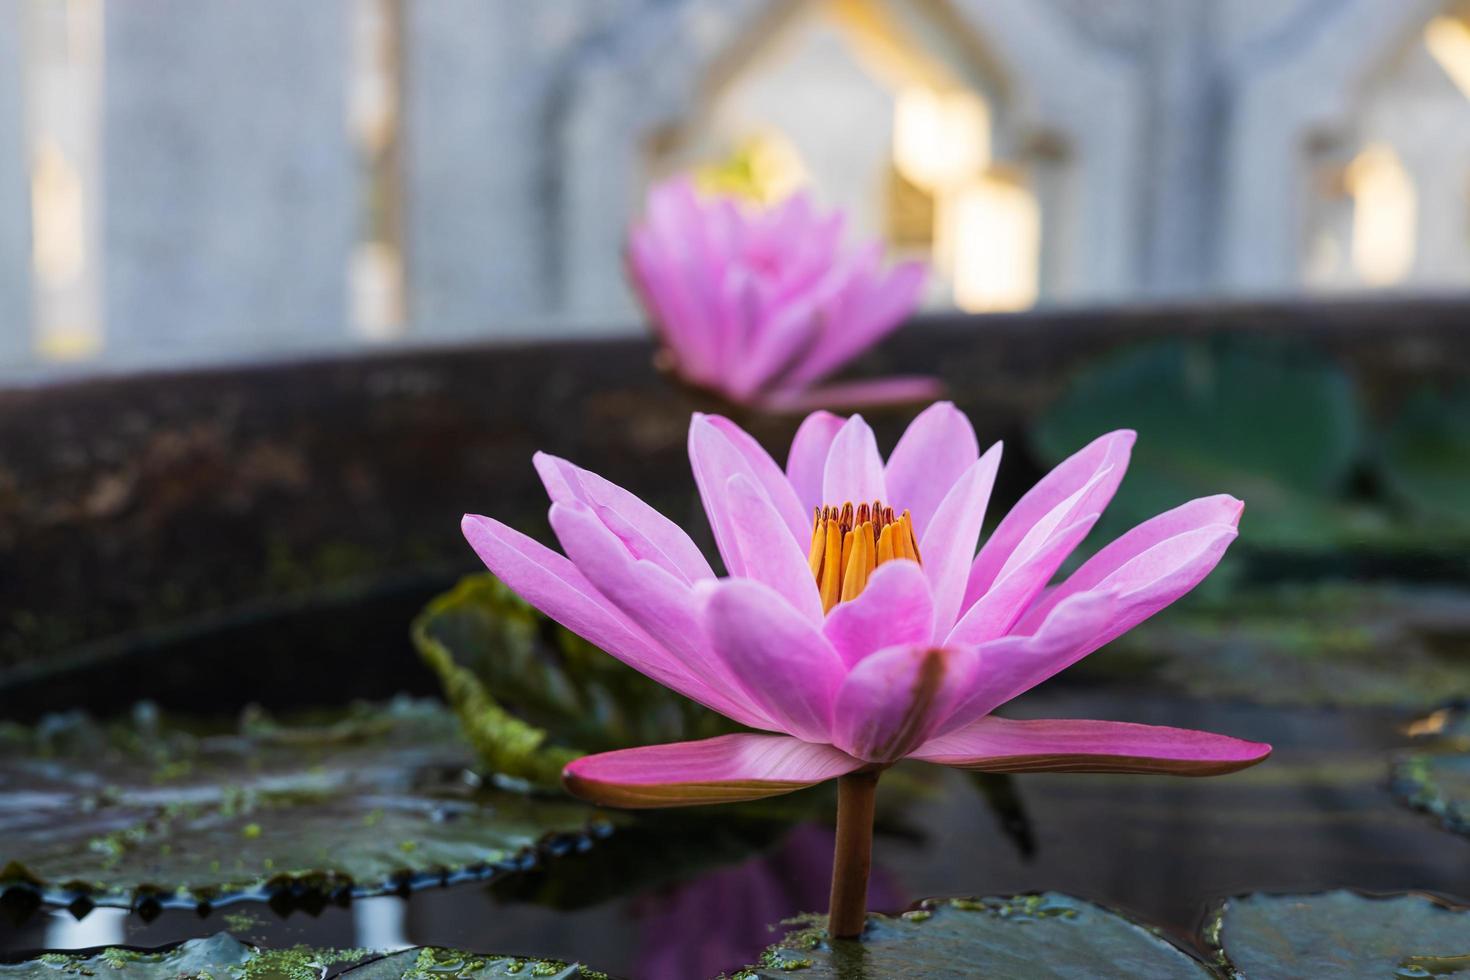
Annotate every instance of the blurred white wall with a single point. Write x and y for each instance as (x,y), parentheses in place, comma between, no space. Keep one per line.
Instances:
(197,180)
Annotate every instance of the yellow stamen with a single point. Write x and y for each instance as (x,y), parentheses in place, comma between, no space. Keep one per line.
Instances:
(857,568)
(850,542)
(819,544)
(885,545)
(831,565)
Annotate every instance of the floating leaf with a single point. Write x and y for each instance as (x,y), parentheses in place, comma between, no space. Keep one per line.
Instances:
(1437,780)
(532,695)
(1342,935)
(363,804)
(222,957)
(1426,455)
(1303,645)
(1031,937)
(1272,424)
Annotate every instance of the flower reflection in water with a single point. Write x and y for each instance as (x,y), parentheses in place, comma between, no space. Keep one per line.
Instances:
(724,919)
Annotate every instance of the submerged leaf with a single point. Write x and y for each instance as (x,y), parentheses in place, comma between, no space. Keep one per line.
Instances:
(532,695)
(1032,937)
(1426,455)
(1437,779)
(1342,935)
(1275,425)
(222,957)
(365,803)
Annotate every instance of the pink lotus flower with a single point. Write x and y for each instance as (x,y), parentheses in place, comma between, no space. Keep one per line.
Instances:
(760,305)
(854,636)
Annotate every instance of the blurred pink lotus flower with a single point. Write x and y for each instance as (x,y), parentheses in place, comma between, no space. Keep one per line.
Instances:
(760,305)
(851,636)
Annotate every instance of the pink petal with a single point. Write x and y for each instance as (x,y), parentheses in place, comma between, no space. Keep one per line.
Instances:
(854,471)
(894,700)
(1221,509)
(948,547)
(1106,453)
(726,769)
(896,390)
(1154,579)
(770,477)
(870,310)
(807,460)
(783,337)
(661,605)
(644,531)
(1013,664)
(936,449)
(996,612)
(895,608)
(788,670)
(1085,621)
(675,268)
(552,584)
(718,449)
(1004,745)
(767,552)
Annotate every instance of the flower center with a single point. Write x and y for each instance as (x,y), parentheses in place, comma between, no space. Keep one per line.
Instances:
(849,542)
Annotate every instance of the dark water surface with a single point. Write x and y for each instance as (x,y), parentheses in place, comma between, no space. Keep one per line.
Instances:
(1317,815)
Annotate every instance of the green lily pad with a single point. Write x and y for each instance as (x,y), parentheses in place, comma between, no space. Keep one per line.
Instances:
(1303,645)
(1426,455)
(1437,779)
(222,957)
(1027,938)
(1342,935)
(1272,424)
(364,803)
(532,695)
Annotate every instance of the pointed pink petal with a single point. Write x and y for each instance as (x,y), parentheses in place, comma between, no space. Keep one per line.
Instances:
(1085,621)
(996,612)
(1004,745)
(788,670)
(935,450)
(948,547)
(896,390)
(719,449)
(854,471)
(674,269)
(807,460)
(1013,664)
(1221,509)
(783,337)
(644,531)
(1106,453)
(869,309)
(895,699)
(552,584)
(767,552)
(726,769)
(661,605)
(896,608)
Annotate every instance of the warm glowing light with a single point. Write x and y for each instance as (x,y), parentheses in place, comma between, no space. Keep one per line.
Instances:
(1384,215)
(59,236)
(993,232)
(1448,40)
(375,289)
(63,82)
(940,139)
